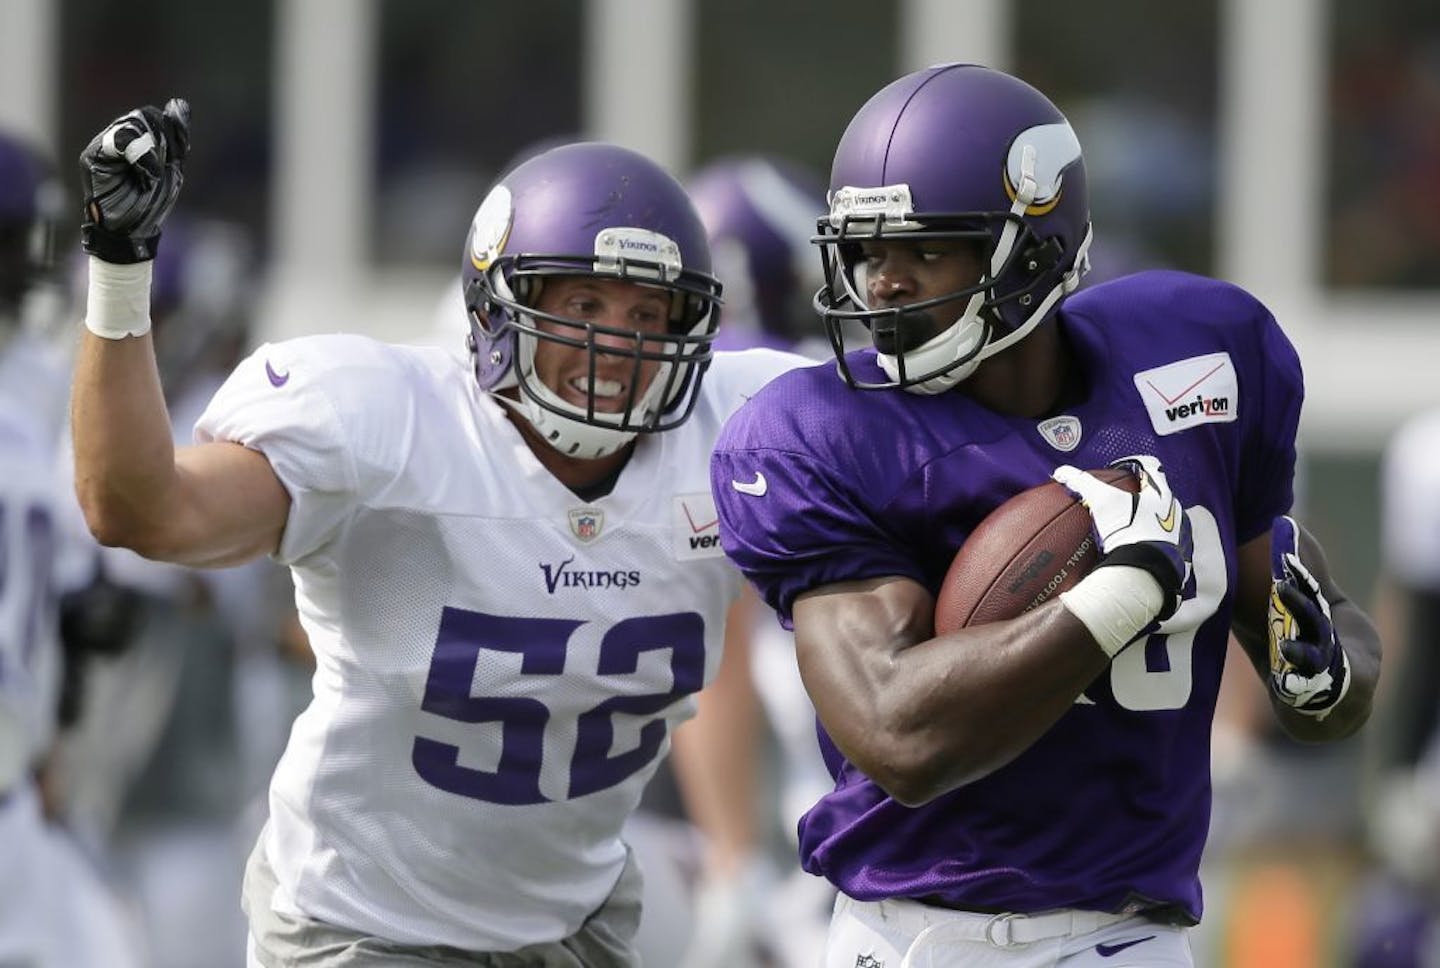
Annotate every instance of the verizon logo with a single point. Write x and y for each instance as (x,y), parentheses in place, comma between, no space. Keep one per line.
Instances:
(1189,393)
(1200,406)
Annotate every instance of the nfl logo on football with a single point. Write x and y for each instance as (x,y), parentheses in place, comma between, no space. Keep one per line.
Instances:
(585,523)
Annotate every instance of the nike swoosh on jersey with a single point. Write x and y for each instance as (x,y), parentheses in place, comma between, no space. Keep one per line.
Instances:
(757,487)
(276,378)
(1167,523)
(1110,950)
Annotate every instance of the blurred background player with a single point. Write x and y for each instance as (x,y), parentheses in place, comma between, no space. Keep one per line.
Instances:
(1397,916)
(759,212)
(30,660)
(56,909)
(183,695)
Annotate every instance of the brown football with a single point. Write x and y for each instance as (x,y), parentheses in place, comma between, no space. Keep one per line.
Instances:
(1028,550)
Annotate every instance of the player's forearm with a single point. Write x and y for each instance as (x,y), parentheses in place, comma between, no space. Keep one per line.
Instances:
(124,453)
(921,720)
(1014,682)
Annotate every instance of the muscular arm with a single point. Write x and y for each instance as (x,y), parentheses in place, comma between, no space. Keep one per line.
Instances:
(212,505)
(919,714)
(1353,628)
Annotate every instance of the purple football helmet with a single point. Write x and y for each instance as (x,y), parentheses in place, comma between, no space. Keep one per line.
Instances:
(958,152)
(759,213)
(30,202)
(589,209)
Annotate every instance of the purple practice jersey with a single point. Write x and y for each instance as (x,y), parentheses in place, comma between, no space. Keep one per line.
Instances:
(816,483)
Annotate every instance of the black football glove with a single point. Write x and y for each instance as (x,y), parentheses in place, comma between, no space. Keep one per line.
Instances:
(1308,668)
(130,176)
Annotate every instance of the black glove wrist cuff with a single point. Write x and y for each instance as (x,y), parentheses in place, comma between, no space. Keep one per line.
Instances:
(120,250)
(1158,565)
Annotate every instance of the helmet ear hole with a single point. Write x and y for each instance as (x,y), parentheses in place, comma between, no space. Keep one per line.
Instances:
(1041,258)
(481,305)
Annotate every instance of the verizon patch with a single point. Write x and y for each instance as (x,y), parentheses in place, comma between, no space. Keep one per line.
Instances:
(696,527)
(1200,390)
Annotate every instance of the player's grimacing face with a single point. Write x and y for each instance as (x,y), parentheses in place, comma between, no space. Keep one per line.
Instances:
(626,307)
(903,272)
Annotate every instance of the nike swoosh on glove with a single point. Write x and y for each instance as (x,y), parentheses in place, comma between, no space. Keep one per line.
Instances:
(1309,670)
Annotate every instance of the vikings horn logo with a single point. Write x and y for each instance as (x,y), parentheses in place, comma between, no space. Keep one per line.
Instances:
(1056,148)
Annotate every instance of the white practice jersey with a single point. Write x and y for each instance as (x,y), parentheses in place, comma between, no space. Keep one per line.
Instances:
(498,662)
(1411,501)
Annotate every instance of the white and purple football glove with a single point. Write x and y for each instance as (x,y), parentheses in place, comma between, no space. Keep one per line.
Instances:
(130,176)
(1148,529)
(1309,670)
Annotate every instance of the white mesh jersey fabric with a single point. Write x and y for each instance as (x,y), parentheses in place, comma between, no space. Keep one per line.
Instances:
(498,662)
(1410,484)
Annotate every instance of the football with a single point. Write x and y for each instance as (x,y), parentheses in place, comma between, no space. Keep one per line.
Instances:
(1024,553)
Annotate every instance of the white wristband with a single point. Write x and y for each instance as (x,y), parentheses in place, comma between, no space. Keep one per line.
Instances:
(118,303)
(1115,603)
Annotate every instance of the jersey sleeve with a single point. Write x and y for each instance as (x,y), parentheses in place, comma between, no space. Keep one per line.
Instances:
(1410,483)
(276,402)
(791,524)
(1267,478)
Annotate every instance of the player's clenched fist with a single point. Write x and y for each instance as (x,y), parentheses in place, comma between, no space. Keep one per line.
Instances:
(130,176)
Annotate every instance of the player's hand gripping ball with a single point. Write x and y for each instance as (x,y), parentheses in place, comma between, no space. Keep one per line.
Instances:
(1027,551)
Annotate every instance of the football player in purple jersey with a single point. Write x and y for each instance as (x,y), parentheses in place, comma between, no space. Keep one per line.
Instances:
(1031,792)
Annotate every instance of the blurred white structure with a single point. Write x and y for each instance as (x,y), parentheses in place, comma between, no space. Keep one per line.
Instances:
(1368,358)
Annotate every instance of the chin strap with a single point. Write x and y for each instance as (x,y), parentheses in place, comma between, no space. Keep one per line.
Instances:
(573,438)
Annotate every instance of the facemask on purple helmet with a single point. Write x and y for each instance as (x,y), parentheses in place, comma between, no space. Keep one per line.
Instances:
(599,211)
(956,152)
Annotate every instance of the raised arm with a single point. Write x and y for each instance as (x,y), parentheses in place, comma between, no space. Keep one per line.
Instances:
(217,504)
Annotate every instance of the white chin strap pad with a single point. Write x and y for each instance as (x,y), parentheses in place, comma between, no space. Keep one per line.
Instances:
(571,437)
(958,341)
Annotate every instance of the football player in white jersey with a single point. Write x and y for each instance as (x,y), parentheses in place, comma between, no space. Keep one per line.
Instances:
(508,567)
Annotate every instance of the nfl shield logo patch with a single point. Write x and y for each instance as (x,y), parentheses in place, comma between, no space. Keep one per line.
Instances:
(586,523)
(1062,433)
